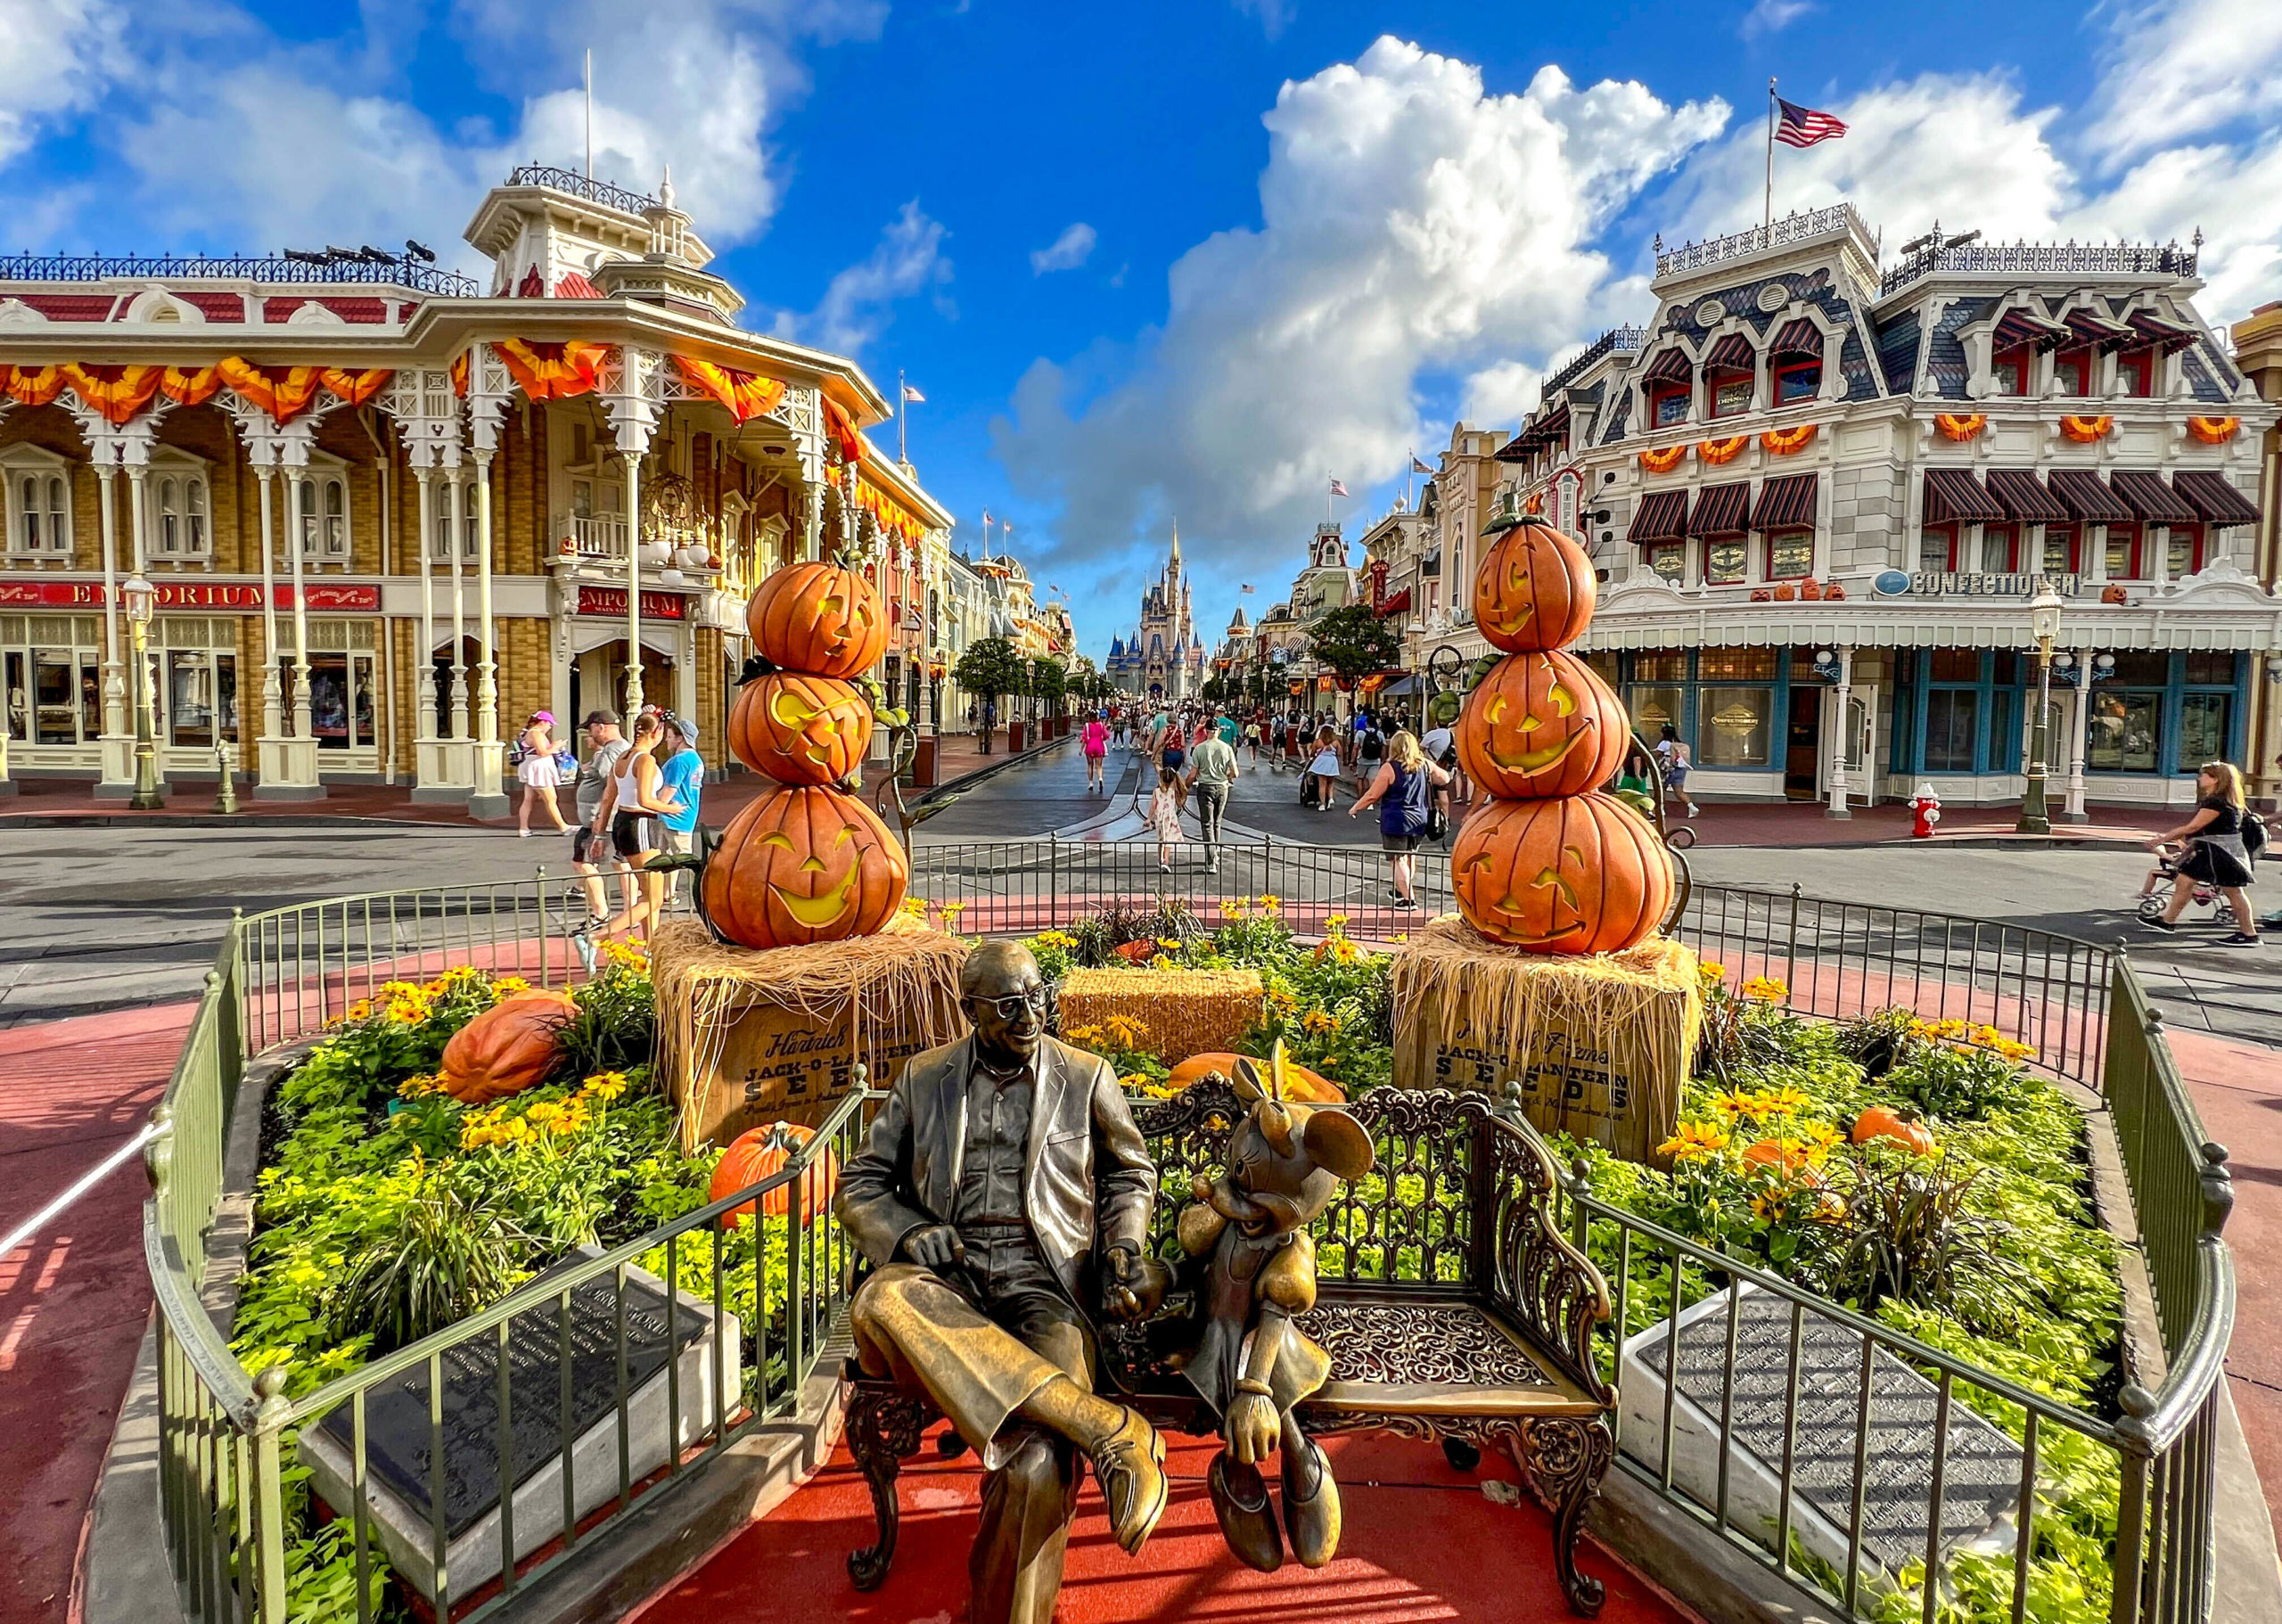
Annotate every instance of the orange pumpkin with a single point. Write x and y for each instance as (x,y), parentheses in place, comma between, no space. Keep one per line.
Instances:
(1309,1088)
(819,619)
(802,866)
(800,729)
(1535,590)
(1540,725)
(758,1153)
(1584,873)
(506,1049)
(1777,1157)
(1894,1126)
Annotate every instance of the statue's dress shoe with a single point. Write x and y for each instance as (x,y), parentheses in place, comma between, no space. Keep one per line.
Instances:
(1310,1505)
(1129,1465)
(1247,1521)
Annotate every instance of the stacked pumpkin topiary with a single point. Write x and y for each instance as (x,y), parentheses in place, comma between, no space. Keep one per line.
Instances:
(1549,865)
(807,862)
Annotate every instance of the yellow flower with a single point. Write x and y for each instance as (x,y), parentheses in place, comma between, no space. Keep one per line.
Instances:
(1784,1101)
(1087,1037)
(1282,1001)
(1694,1142)
(1318,1021)
(605,1085)
(1731,1104)
(508,985)
(1766,989)
(1334,923)
(1762,1208)
(1170,944)
(620,954)
(915,907)
(1133,1080)
(1230,910)
(1269,903)
(415,1087)
(1710,971)
(1124,1032)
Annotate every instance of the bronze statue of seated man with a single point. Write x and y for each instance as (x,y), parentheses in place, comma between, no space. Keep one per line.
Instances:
(999,1168)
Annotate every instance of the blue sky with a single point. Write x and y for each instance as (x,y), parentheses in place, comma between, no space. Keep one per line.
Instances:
(1187,259)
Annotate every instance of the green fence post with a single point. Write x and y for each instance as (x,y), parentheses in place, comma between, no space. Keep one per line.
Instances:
(268,1494)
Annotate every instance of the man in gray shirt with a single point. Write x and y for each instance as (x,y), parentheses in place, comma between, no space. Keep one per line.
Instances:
(589,851)
(1211,772)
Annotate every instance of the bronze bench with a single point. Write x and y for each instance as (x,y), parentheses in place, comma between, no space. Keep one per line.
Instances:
(1452,1307)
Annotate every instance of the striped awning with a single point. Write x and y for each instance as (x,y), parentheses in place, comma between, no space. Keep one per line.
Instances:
(2085,327)
(1787,503)
(2019,327)
(1733,351)
(2086,496)
(2149,498)
(2210,494)
(1670,366)
(1721,510)
(2161,336)
(1801,337)
(1661,516)
(2023,498)
(1956,496)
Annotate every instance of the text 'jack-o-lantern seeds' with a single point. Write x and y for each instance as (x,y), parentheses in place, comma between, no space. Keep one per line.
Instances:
(802,866)
(1540,725)
(800,729)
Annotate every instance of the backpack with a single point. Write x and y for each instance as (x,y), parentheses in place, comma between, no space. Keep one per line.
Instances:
(2254,831)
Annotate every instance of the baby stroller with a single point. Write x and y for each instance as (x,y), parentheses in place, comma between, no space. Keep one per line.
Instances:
(2155,890)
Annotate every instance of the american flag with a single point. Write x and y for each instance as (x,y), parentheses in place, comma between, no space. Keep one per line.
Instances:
(1804,126)
(1338,489)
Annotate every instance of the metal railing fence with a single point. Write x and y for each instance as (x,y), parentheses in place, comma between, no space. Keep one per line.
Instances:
(282,975)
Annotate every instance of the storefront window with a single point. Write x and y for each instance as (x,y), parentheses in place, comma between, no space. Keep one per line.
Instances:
(2059,550)
(1934,548)
(2204,722)
(1952,718)
(2122,731)
(1668,560)
(1737,665)
(1734,726)
(1789,556)
(341,681)
(1797,381)
(200,690)
(54,671)
(1664,666)
(1723,562)
(2122,551)
(1997,548)
(2183,551)
(2209,668)
(1653,705)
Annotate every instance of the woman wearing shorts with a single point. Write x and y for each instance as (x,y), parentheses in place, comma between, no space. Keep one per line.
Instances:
(633,805)
(1403,789)
(1673,752)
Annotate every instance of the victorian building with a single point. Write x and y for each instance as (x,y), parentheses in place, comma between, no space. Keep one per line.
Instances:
(1823,493)
(388,512)
(1162,659)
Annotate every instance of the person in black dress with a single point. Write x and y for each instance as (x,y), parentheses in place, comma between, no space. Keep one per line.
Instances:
(2216,854)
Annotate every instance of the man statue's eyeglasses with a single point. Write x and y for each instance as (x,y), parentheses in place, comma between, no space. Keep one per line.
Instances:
(1014,1004)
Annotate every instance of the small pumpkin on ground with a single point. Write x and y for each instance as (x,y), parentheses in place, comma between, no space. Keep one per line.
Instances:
(1309,1087)
(758,1153)
(1895,1126)
(508,1048)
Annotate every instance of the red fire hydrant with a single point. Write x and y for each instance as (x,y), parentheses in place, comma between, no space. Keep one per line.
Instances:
(1925,808)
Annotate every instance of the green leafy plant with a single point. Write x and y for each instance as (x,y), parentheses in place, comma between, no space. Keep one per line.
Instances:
(1909,1229)
(449,1254)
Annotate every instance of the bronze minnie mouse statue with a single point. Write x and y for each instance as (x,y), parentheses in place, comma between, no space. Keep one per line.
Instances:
(1252,1267)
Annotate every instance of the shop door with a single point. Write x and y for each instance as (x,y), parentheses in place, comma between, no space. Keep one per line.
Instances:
(1803,746)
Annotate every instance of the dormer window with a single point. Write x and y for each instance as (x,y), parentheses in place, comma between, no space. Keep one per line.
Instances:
(1728,376)
(2135,373)
(1666,384)
(2008,371)
(2072,373)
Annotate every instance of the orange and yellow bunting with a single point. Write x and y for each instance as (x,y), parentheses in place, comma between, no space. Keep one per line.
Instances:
(554,371)
(2214,430)
(283,392)
(745,395)
(190,385)
(2084,430)
(357,388)
(1783,442)
(113,393)
(894,519)
(1718,451)
(844,433)
(31,385)
(1960,426)
(1663,461)
(459,374)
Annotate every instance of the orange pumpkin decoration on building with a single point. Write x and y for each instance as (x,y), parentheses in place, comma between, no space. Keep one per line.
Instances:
(802,866)
(758,1153)
(821,618)
(800,729)
(1535,590)
(1542,724)
(508,1048)
(1582,873)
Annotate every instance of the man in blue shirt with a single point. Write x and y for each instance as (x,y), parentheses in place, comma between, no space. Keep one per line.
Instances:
(681,777)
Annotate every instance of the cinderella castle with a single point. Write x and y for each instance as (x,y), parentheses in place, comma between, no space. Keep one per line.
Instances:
(1162,660)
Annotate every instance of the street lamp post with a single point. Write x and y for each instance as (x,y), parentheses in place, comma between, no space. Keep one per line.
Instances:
(2044,625)
(139,597)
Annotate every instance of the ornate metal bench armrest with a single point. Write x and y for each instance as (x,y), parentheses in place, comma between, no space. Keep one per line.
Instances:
(1551,1289)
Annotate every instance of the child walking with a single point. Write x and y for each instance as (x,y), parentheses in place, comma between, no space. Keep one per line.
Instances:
(1165,803)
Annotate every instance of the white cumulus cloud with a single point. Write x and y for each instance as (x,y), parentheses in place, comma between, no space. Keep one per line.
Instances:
(1411,224)
(55,56)
(860,302)
(1773,16)
(1066,252)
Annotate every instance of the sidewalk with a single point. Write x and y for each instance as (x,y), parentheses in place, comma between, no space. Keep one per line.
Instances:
(74,1299)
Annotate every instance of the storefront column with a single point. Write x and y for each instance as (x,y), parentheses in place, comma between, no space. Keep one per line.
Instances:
(117,745)
(138,472)
(286,763)
(2080,715)
(273,721)
(455,527)
(2095,555)
(299,780)
(489,800)
(1842,694)
(432,778)
(634,696)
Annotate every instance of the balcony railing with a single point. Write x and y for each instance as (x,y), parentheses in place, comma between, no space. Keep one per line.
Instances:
(1796,227)
(1614,339)
(597,536)
(173,268)
(582,186)
(2048,258)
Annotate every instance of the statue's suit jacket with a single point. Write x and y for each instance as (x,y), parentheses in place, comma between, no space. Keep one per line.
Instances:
(1090,1180)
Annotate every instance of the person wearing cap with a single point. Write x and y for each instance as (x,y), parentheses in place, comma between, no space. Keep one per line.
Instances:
(538,772)
(681,771)
(590,850)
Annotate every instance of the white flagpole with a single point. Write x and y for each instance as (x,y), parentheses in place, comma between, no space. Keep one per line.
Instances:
(1769,219)
(590,112)
(902,411)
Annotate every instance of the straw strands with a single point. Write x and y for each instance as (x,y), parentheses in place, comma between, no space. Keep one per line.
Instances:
(1170,1013)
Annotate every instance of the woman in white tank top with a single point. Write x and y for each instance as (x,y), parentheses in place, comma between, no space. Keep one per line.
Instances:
(632,802)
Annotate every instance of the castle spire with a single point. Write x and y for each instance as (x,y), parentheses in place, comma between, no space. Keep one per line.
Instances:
(1176,546)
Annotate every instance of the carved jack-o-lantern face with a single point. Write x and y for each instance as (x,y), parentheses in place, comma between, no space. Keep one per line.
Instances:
(1582,873)
(1542,724)
(1535,590)
(817,619)
(800,729)
(804,865)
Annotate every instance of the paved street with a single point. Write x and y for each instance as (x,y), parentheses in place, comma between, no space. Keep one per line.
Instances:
(105,917)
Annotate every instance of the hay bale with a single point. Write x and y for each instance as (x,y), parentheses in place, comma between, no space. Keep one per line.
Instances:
(1176,1012)
(749,1036)
(1598,1047)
